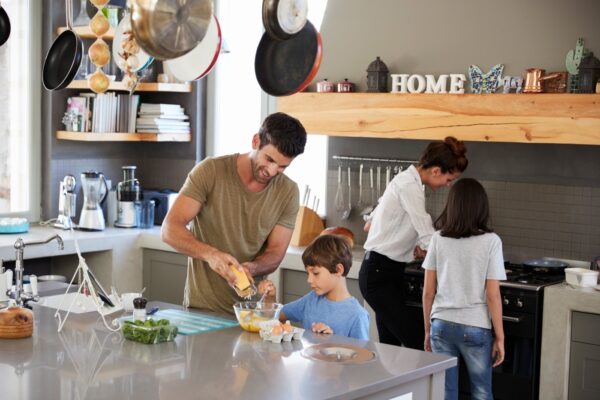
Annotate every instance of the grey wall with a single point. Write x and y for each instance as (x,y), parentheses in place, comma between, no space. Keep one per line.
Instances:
(160,165)
(435,37)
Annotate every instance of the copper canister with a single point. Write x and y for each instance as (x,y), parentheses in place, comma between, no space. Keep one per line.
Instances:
(325,86)
(345,86)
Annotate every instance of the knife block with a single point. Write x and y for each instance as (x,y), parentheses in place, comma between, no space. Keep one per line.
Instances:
(308,226)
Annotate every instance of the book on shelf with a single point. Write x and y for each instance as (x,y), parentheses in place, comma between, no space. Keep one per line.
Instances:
(162,118)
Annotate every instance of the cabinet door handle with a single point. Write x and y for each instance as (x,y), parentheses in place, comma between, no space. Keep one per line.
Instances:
(511,319)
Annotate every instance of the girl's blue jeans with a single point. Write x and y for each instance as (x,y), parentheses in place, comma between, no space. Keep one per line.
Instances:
(474,345)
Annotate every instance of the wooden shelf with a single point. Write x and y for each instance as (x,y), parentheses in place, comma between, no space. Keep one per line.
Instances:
(522,118)
(142,87)
(84,32)
(123,137)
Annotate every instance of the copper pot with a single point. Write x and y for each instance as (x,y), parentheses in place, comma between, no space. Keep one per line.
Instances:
(325,86)
(345,86)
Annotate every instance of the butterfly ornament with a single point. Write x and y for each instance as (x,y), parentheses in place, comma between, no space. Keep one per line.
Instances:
(485,83)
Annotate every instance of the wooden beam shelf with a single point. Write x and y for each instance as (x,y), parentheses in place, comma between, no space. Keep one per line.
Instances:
(521,118)
(142,87)
(124,137)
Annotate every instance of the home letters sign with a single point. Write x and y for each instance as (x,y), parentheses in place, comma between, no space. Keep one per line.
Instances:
(405,83)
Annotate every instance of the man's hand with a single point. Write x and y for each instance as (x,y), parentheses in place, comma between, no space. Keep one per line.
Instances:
(222,263)
(319,327)
(419,253)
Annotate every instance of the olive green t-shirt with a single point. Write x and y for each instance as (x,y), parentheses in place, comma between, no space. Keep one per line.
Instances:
(233,220)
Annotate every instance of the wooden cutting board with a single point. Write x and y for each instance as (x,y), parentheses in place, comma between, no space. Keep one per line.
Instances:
(16,323)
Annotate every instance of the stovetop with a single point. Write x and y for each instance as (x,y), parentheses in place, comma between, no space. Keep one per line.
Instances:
(517,276)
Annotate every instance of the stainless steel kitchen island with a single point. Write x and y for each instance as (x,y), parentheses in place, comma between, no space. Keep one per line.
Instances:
(86,361)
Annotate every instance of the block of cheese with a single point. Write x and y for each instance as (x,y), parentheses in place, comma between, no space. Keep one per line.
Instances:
(242,285)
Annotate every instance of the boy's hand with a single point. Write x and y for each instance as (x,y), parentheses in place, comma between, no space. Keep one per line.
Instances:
(319,327)
(268,287)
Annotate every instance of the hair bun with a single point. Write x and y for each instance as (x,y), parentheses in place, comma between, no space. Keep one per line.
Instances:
(457,146)
(339,231)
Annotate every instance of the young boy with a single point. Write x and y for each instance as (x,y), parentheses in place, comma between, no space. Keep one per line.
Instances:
(329,307)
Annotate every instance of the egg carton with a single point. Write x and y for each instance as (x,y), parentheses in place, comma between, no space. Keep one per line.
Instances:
(266,335)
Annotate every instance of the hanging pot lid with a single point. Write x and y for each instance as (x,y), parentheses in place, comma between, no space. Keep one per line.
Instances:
(285,67)
(168,29)
(199,62)
(283,19)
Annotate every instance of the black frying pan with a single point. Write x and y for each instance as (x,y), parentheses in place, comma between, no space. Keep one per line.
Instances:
(285,67)
(4,26)
(64,57)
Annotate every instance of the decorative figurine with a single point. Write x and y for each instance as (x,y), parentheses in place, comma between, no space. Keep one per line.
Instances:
(589,73)
(512,82)
(485,83)
(405,83)
(377,76)
(574,57)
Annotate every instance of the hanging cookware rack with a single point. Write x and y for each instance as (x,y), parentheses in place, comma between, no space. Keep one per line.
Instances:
(374,160)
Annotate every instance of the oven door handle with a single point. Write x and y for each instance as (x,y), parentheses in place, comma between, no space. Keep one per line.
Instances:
(512,319)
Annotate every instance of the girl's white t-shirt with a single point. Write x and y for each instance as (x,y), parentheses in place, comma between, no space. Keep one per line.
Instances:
(462,267)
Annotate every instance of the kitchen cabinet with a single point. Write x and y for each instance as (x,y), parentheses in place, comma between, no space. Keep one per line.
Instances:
(584,369)
(523,118)
(164,275)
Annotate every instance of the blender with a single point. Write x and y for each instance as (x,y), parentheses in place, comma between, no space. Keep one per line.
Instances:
(94,189)
(128,198)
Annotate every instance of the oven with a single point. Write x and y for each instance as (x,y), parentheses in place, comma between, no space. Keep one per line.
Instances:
(518,376)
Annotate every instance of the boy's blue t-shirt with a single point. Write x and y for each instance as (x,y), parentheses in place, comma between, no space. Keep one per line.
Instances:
(345,318)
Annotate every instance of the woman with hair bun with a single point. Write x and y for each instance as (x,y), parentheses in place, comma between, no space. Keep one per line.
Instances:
(399,232)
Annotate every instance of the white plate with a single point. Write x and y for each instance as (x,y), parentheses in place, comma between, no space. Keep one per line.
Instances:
(144,58)
(199,62)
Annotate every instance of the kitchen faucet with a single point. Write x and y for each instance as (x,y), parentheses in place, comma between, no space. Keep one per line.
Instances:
(18,294)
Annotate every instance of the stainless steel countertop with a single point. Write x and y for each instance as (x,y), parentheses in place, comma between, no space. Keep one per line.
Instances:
(87,361)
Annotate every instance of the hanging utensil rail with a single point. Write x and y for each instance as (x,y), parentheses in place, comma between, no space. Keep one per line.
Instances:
(369,159)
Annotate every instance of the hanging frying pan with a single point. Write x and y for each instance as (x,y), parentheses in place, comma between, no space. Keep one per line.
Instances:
(283,19)
(64,57)
(143,59)
(168,29)
(285,67)
(197,63)
(4,26)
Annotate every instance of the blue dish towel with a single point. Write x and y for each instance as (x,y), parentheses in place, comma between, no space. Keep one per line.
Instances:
(191,323)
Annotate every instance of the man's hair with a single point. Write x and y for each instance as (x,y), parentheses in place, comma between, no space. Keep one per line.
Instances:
(284,132)
(328,251)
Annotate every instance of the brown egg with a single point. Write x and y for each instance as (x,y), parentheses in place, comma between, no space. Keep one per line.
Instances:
(99,24)
(276,330)
(99,3)
(99,53)
(287,327)
(98,81)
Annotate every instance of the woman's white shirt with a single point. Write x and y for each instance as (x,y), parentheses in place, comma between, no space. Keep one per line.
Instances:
(400,221)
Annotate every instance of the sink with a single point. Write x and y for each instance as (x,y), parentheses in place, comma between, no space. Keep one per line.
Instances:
(83,304)
(338,353)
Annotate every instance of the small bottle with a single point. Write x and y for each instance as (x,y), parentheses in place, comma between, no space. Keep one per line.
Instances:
(139,309)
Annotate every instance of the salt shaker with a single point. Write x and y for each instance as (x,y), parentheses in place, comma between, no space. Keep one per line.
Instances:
(139,309)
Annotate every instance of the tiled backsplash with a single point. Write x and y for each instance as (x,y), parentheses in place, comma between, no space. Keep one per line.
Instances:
(533,220)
